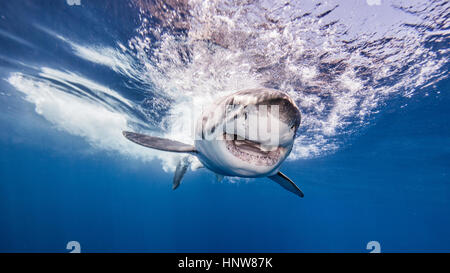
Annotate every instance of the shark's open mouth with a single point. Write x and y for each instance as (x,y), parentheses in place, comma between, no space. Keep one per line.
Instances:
(252,152)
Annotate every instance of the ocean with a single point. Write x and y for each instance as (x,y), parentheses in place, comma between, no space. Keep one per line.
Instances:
(372,154)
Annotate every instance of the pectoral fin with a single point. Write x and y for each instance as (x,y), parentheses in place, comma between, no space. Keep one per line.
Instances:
(286,183)
(182,166)
(159,143)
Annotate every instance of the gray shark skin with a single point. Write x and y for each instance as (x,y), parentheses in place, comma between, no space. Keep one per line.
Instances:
(246,134)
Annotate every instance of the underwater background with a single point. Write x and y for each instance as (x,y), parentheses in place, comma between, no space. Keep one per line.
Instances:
(372,154)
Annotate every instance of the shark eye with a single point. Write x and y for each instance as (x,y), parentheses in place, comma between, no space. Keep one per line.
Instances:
(295,131)
(245,115)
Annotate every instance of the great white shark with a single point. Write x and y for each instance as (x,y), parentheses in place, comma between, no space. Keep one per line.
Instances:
(246,134)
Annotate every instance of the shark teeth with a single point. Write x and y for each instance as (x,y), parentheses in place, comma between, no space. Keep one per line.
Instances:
(253,152)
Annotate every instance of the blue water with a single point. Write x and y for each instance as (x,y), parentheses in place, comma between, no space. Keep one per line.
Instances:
(389,180)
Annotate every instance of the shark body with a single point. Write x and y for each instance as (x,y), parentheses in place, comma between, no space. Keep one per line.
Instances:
(246,134)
